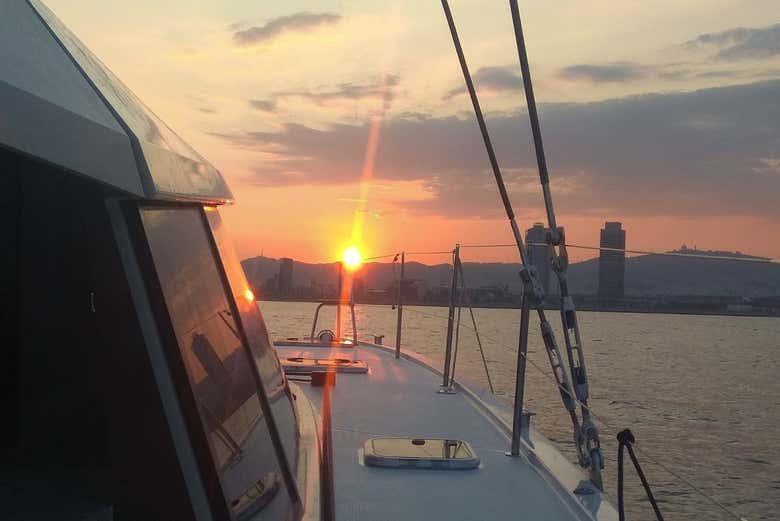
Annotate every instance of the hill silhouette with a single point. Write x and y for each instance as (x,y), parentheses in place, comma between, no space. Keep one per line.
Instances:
(646,275)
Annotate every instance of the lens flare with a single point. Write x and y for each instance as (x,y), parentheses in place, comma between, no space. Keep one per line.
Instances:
(352,258)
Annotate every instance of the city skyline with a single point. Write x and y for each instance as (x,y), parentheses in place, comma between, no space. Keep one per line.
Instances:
(349,123)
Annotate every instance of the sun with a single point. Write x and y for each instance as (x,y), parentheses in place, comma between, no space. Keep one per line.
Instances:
(352,258)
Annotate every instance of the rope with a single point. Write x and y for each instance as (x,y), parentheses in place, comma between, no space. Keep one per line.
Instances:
(626,439)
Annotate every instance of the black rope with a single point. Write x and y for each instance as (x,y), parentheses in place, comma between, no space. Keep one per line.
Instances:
(626,439)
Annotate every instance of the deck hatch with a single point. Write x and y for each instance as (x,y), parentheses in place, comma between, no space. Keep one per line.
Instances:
(298,365)
(420,453)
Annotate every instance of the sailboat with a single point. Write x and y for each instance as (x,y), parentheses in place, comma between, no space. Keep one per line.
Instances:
(141,381)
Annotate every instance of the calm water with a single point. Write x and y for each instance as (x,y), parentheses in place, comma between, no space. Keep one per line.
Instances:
(700,393)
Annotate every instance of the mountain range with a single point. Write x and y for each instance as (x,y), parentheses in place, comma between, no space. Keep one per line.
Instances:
(646,275)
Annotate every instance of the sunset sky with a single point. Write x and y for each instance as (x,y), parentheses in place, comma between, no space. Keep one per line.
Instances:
(342,121)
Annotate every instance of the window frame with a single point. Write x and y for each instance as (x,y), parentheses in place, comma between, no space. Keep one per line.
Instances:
(210,475)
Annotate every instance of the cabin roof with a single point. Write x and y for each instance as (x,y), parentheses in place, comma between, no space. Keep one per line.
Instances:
(61,104)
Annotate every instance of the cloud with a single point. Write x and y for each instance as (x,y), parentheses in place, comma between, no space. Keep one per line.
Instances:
(626,72)
(263,104)
(675,73)
(604,73)
(298,22)
(740,43)
(491,79)
(380,89)
(730,45)
(680,154)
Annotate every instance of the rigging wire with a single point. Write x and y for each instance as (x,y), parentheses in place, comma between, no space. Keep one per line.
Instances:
(387,256)
(605,423)
(761,260)
(481,351)
(457,339)
(755,260)
(476,332)
(758,260)
(448,252)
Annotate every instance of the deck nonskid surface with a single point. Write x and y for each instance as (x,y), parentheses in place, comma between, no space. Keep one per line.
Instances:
(399,398)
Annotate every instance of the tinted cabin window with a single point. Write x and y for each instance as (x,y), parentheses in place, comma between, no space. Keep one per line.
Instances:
(259,341)
(216,362)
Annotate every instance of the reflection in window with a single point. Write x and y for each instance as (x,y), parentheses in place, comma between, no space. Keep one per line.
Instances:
(259,342)
(215,359)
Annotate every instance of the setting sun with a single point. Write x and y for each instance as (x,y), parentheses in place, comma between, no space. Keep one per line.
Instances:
(352,258)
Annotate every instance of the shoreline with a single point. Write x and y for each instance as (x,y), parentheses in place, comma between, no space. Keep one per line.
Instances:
(580,307)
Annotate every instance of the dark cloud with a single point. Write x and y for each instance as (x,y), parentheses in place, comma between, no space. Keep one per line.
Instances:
(604,73)
(346,91)
(717,74)
(491,79)
(668,72)
(295,22)
(263,104)
(677,74)
(740,43)
(708,152)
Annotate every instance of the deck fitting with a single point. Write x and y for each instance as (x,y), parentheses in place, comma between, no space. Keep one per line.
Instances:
(585,488)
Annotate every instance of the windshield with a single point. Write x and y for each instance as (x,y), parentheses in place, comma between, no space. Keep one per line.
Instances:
(216,362)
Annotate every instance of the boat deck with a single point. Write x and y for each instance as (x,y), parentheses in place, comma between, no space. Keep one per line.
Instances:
(399,398)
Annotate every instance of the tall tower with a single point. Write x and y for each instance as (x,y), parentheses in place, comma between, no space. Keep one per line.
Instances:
(285,276)
(536,239)
(612,264)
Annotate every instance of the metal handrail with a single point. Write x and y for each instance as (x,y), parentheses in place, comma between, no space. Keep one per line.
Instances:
(336,302)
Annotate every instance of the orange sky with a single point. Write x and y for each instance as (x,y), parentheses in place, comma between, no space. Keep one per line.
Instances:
(346,121)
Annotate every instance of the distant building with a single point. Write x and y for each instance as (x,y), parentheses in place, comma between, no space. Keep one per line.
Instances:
(612,264)
(536,239)
(285,276)
(358,288)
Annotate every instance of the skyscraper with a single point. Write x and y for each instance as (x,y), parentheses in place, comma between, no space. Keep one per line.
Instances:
(536,239)
(612,264)
(285,276)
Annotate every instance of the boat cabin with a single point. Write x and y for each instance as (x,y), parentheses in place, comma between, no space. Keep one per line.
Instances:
(138,379)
